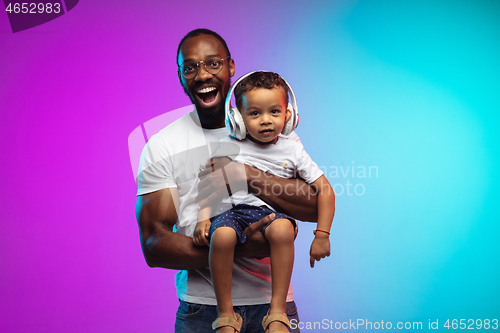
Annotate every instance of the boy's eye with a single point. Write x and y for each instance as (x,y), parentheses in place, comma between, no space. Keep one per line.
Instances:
(254,113)
(275,111)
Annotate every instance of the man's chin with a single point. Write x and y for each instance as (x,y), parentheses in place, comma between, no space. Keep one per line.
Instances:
(209,115)
(212,116)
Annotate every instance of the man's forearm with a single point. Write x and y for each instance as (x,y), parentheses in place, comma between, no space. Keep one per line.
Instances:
(162,247)
(290,196)
(167,249)
(175,251)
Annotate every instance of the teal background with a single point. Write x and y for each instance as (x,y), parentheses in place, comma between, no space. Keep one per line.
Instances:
(412,88)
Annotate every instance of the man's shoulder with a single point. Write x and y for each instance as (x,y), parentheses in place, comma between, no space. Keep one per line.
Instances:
(180,126)
(177,131)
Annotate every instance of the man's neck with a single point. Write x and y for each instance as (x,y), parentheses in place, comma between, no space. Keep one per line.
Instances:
(212,125)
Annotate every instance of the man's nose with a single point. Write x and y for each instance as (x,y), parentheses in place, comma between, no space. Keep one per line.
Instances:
(202,74)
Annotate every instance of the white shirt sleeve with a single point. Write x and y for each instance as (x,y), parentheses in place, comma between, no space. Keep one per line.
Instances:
(155,167)
(306,167)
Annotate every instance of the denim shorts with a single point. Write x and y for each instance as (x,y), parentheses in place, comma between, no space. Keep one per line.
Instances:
(241,216)
(198,318)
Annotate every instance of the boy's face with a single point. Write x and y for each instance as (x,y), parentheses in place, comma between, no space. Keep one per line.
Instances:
(265,113)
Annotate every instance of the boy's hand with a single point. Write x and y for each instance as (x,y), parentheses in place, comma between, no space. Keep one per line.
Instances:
(200,236)
(320,248)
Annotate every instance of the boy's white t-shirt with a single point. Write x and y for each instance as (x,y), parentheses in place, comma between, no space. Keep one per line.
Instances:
(286,159)
(172,158)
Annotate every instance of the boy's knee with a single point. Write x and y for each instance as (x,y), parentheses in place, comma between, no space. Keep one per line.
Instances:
(223,237)
(280,229)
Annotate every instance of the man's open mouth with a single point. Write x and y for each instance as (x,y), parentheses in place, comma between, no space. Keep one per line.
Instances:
(208,96)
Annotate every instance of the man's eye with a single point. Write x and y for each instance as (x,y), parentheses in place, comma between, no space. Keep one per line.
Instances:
(215,64)
(189,69)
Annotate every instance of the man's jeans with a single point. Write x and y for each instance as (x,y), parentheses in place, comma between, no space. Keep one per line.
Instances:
(198,318)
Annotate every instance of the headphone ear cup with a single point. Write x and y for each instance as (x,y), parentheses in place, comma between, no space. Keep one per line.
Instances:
(234,121)
(239,129)
(292,123)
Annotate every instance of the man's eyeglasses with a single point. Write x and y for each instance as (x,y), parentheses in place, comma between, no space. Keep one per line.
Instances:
(213,65)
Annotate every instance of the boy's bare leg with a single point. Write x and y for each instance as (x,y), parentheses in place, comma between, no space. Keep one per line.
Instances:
(280,235)
(221,267)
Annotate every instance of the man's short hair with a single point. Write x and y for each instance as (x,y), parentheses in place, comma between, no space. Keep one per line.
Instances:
(267,80)
(197,32)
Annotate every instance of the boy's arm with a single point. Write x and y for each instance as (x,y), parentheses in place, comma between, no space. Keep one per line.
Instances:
(320,246)
(200,236)
(290,196)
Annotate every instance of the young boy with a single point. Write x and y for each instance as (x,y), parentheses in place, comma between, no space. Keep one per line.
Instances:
(262,98)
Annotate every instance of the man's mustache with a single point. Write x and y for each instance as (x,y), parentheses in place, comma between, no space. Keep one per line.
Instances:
(201,84)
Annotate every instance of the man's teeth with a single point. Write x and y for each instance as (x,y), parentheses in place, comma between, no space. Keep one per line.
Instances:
(206,90)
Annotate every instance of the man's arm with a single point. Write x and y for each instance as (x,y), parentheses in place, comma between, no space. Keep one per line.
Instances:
(157,215)
(162,247)
(290,196)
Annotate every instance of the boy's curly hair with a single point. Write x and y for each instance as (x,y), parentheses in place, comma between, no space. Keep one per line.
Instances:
(267,80)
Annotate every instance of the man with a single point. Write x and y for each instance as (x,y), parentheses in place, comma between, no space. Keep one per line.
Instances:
(169,169)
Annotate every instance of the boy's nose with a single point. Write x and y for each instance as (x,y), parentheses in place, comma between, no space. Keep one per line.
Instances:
(265,119)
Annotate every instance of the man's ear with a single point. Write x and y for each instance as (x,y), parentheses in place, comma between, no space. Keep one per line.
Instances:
(231,67)
(180,77)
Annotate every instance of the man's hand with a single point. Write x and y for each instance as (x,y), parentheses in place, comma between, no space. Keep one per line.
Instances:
(200,236)
(320,248)
(256,244)
(220,177)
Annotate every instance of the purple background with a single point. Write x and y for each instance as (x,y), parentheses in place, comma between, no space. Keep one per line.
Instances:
(408,87)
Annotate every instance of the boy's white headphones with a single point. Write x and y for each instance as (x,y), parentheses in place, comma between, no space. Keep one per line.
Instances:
(234,121)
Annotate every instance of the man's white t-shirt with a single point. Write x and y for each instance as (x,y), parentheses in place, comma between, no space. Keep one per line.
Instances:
(172,158)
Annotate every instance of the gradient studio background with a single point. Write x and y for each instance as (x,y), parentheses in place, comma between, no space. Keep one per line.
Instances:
(410,88)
